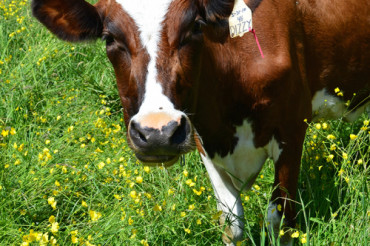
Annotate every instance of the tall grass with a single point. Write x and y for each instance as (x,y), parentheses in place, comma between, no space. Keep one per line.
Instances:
(68,177)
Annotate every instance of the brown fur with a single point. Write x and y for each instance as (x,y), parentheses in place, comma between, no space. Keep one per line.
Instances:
(308,46)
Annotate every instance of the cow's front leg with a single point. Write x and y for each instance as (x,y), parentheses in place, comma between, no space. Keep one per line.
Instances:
(228,201)
(287,168)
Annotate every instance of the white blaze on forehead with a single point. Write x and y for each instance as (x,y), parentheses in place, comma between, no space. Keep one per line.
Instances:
(148,16)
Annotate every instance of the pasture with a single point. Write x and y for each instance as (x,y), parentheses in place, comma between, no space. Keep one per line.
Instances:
(68,177)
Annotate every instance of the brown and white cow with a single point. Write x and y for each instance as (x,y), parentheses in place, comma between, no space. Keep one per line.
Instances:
(183,82)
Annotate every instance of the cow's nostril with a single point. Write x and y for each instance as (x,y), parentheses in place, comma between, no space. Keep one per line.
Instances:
(142,137)
(179,136)
(136,132)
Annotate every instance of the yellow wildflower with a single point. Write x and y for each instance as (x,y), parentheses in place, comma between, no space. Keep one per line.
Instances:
(330,137)
(146,169)
(52,202)
(52,219)
(295,234)
(190,183)
(345,156)
(101,165)
(144,242)
(139,179)
(329,158)
(304,238)
(94,215)
(341,171)
(74,239)
(217,215)
(5,133)
(130,221)
(333,147)
(54,227)
(157,208)
(133,194)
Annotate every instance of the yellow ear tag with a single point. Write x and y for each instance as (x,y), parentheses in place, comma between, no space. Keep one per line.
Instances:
(240,20)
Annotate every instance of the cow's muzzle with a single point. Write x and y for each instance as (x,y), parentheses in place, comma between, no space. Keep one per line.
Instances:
(159,140)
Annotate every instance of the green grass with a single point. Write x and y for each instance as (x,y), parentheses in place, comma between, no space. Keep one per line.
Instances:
(62,138)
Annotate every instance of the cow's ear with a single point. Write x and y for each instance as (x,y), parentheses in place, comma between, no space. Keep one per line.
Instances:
(70,20)
(216,10)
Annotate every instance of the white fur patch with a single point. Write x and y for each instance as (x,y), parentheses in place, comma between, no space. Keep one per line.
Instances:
(327,106)
(273,219)
(148,16)
(228,199)
(273,149)
(246,160)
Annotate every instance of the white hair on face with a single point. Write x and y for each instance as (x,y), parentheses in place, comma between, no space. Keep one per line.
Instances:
(148,16)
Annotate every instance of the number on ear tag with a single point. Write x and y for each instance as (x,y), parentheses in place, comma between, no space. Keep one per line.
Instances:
(240,20)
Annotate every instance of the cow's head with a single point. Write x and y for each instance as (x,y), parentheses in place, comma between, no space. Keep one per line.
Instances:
(154,47)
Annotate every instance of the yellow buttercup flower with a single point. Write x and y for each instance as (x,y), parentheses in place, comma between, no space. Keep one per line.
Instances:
(52,202)
(304,238)
(139,179)
(157,208)
(295,234)
(330,137)
(94,215)
(54,227)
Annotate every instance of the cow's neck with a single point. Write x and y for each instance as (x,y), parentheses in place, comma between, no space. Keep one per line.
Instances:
(237,84)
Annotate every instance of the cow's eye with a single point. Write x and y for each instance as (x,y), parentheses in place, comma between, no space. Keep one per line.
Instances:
(112,43)
(108,39)
(193,34)
(198,25)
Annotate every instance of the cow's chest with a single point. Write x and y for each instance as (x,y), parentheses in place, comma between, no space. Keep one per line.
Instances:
(246,161)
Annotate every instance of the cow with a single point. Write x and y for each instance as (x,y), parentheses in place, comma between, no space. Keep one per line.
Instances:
(185,84)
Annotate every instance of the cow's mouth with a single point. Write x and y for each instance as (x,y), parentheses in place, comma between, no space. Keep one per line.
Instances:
(157,160)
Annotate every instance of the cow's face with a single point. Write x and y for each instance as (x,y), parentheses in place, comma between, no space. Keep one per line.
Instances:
(154,47)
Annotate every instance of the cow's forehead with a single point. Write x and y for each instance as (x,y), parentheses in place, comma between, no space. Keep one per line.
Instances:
(148,16)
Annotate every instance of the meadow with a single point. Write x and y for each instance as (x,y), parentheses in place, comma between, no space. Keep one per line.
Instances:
(68,177)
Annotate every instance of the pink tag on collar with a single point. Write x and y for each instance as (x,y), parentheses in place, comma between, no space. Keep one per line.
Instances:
(240,22)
